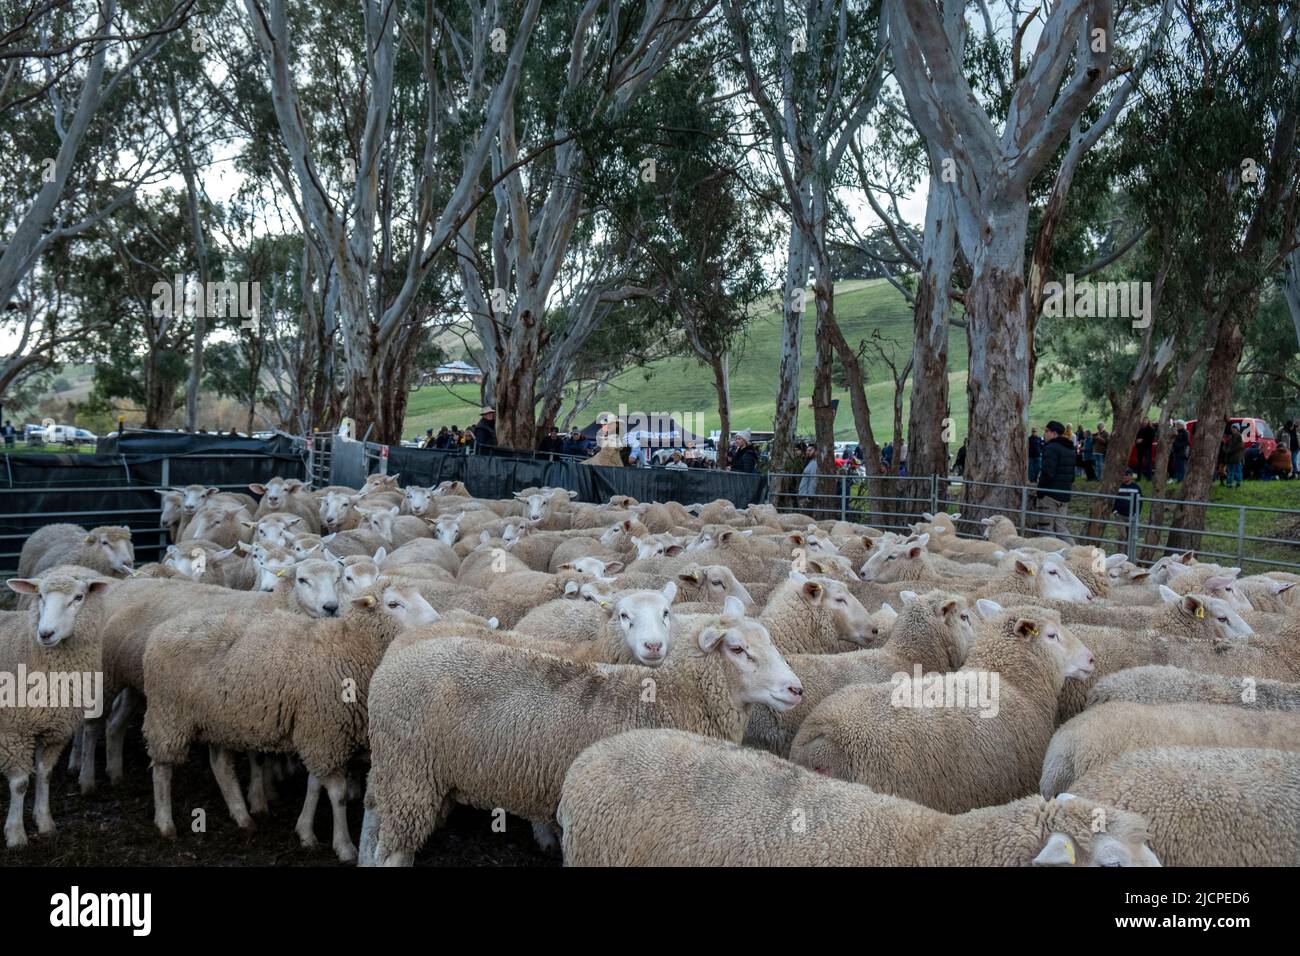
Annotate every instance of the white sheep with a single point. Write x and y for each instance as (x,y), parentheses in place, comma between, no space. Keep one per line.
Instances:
(287,495)
(106,549)
(1162,684)
(667,798)
(464,739)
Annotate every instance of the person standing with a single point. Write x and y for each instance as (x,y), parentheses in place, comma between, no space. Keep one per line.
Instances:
(1178,454)
(745,457)
(9,433)
(808,483)
(1234,455)
(1100,442)
(1292,430)
(1128,499)
(1146,440)
(485,430)
(1035,455)
(1055,480)
(959,464)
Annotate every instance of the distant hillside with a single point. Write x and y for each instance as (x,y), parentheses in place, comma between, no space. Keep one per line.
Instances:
(681,385)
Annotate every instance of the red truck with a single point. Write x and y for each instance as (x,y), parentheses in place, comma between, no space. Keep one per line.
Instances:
(1254,431)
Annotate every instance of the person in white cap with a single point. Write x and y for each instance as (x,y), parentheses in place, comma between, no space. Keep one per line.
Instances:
(485,431)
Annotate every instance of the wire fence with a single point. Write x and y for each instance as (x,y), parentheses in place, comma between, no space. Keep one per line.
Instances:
(1251,537)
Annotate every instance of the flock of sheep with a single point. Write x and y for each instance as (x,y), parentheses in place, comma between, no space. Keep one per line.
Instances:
(660,684)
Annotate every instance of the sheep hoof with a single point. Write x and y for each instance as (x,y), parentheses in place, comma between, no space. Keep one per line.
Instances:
(307,839)
(167,832)
(246,823)
(87,787)
(46,827)
(15,837)
(347,853)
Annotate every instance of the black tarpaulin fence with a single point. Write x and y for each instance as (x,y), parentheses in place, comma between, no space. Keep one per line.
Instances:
(500,475)
(122,488)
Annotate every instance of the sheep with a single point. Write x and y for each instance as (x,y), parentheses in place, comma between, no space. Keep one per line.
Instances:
(171,517)
(934,631)
(445,488)
(106,549)
(276,527)
(223,522)
(1266,593)
(1048,578)
(305,545)
(483,567)
(713,583)
(353,541)
(445,720)
(59,635)
(575,618)
(1162,684)
(909,560)
(668,798)
(815,616)
(209,680)
(449,527)
(564,551)
(543,511)
(393,528)
(1102,733)
(423,551)
(1215,582)
(200,561)
(1002,532)
(1208,806)
(195,497)
(416,501)
(287,495)
(990,737)
(132,611)
(337,510)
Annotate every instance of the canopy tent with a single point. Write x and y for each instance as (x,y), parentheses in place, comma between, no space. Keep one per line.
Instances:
(660,431)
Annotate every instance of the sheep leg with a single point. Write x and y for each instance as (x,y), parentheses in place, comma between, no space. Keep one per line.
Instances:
(336,785)
(305,828)
(399,859)
(256,783)
(126,704)
(84,744)
(74,752)
(223,768)
(46,757)
(162,800)
(547,839)
(368,854)
(14,833)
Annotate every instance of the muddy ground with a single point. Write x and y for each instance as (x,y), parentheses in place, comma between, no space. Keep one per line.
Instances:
(114,825)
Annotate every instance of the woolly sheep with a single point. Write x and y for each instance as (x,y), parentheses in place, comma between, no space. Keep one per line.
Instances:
(356,540)
(1208,806)
(1100,734)
(106,549)
(392,528)
(423,551)
(277,527)
(223,522)
(445,720)
(1000,530)
(934,631)
(58,635)
(208,680)
(1162,684)
(287,495)
(338,511)
(668,798)
(990,739)
(815,616)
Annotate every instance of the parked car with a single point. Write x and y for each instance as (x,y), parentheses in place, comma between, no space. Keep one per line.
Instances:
(67,435)
(1254,431)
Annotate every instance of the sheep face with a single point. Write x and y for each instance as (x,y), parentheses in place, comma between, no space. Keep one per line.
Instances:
(277,491)
(1073,840)
(115,544)
(194,497)
(380,520)
(646,619)
(172,512)
(758,672)
(447,528)
(998,528)
(719,583)
(1044,631)
(417,499)
(593,566)
(1224,587)
(304,546)
(450,488)
(377,483)
(512,531)
(889,562)
(813,541)
(276,529)
(536,507)
(408,606)
(190,563)
(59,598)
(882,624)
(316,585)
(272,563)
(360,572)
(1225,623)
(852,620)
(335,508)
(1051,579)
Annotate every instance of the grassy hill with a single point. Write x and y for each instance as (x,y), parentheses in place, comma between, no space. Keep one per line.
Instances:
(681,385)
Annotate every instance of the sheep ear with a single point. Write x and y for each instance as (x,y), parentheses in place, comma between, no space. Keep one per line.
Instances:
(1115,560)
(669,591)
(868,543)
(244,546)
(692,576)
(673,549)
(915,551)
(710,638)
(1231,572)
(329,537)
(797,575)
(986,521)
(222,555)
(1193,605)
(955,517)
(886,606)
(331,556)
(484,537)
(1281,586)
(908,596)
(257,489)
(97,585)
(1058,851)
(381,554)
(811,590)
(571,587)
(519,495)
(1217,581)
(90,539)
(1025,569)
(1168,595)
(250,525)
(927,516)
(393,509)
(626,524)
(293,484)
(365,602)
(949,605)
(987,608)
(292,521)
(24,585)
(614,567)
(1025,627)
(733,607)
(795,537)
(1139,575)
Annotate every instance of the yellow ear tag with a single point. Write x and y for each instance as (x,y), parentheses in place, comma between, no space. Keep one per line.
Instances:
(1200,610)
(280,573)
(604,604)
(370,600)
(1032,632)
(1069,850)
(1033,573)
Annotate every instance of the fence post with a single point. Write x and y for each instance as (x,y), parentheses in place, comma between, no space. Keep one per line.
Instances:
(311,462)
(1134,517)
(934,494)
(1241,535)
(383,459)
(844,497)
(1024,507)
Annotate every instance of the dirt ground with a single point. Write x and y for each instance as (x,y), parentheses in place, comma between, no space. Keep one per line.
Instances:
(114,826)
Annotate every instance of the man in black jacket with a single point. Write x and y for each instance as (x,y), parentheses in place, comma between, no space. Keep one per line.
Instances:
(745,457)
(485,430)
(1055,479)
